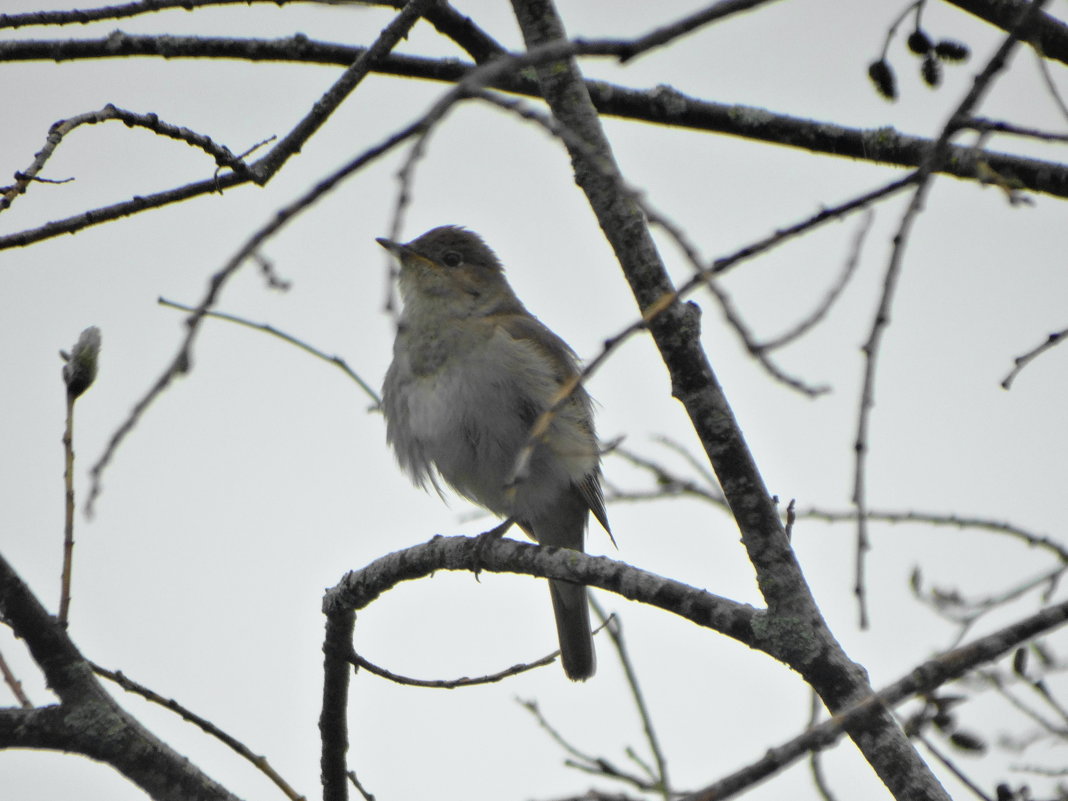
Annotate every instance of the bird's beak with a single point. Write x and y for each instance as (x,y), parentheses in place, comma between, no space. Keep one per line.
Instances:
(396,248)
(403,252)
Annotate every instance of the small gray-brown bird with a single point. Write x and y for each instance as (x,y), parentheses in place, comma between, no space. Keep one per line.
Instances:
(472,370)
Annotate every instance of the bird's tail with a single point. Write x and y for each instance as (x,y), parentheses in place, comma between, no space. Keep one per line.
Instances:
(572,610)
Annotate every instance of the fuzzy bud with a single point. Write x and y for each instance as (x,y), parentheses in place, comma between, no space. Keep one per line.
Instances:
(949,50)
(919,43)
(883,78)
(931,71)
(80,368)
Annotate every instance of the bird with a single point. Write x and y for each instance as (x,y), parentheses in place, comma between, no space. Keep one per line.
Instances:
(472,371)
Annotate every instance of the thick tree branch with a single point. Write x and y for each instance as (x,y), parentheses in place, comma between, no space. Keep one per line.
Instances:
(1048,32)
(333,719)
(662,105)
(87,720)
(926,678)
(447,20)
(793,628)
(359,588)
(346,83)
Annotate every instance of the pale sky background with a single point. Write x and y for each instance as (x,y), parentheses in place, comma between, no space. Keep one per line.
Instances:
(261,478)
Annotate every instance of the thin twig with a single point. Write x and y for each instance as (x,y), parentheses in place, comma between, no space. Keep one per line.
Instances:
(335,360)
(222,155)
(14,684)
(965,613)
(815,760)
(1020,362)
(405,181)
(848,269)
(598,766)
(356,783)
(703,276)
(687,25)
(182,361)
(699,466)
(88,15)
(991,678)
(923,679)
(79,373)
(235,745)
(985,125)
(450,684)
(461,29)
(68,513)
(328,103)
(1047,77)
(951,766)
(615,632)
(671,484)
(956,521)
(934,157)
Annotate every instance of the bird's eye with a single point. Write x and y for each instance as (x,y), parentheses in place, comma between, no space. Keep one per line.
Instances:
(452,259)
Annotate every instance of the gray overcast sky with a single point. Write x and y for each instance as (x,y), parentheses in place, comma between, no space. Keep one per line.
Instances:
(262,478)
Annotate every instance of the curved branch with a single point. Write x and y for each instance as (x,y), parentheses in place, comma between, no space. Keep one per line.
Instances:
(222,155)
(360,588)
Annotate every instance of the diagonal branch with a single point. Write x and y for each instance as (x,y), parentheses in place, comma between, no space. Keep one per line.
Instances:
(1048,32)
(924,679)
(87,720)
(794,629)
(183,359)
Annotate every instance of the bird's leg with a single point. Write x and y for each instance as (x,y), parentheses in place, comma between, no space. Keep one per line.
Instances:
(480,542)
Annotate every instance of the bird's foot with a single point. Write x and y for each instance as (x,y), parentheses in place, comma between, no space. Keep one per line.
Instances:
(483,540)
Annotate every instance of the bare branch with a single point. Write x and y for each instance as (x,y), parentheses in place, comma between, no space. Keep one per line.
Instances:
(87,720)
(335,360)
(183,360)
(1022,361)
(450,684)
(615,632)
(820,312)
(955,521)
(358,589)
(203,724)
(14,685)
(1048,32)
(935,156)
(222,155)
(923,679)
(687,25)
